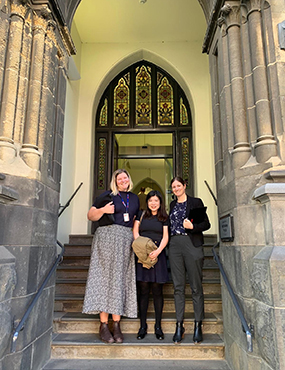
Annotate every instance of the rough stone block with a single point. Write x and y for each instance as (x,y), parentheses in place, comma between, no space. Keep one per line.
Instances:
(42,351)
(44,228)
(266,334)
(51,200)
(261,279)
(5,331)
(18,229)
(18,361)
(248,225)
(8,280)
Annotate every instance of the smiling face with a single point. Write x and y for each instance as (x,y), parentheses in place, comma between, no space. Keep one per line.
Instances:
(153,204)
(178,188)
(123,182)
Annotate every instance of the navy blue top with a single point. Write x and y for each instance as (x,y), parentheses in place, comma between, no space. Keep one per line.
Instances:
(177,217)
(120,209)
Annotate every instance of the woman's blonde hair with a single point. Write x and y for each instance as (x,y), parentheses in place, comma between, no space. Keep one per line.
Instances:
(113,183)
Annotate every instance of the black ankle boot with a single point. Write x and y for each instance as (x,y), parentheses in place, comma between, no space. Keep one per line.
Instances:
(142,333)
(198,336)
(179,332)
(158,332)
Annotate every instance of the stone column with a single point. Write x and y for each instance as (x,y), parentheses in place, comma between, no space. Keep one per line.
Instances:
(30,151)
(10,85)
(268,274)
(265,146)
(241,150)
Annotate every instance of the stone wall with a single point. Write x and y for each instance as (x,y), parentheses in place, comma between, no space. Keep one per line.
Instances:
(248,113)
(34,50)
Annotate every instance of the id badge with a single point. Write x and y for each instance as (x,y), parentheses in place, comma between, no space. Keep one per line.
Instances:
(126,217)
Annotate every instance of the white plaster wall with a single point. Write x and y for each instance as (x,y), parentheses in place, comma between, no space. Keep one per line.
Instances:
(99,64)
(68,181)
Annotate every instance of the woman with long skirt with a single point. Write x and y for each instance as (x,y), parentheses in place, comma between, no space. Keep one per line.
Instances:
(111,282)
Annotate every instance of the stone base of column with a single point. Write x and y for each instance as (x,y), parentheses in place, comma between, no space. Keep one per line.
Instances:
(7,150)
(241,154)
(31,156)
(265,148)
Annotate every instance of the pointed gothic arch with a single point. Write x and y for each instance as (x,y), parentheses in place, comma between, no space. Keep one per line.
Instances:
(169,116)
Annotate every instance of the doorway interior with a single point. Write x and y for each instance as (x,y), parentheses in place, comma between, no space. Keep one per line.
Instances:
(148,157)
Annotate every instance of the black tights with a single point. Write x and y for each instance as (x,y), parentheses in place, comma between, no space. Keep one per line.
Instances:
(144,290)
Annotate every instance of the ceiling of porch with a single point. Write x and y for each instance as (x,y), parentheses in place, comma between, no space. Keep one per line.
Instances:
(123,21)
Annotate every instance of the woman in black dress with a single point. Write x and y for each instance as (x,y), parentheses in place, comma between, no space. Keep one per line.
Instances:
(154,225)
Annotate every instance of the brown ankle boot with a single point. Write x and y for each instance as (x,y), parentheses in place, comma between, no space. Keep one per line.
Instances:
(118,336)
(105,334)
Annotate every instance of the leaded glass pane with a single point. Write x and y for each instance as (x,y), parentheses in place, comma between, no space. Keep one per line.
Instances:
(121,104)
(102,164)
(143,97)
(183,114)
(104,114)
(185,160)
(165,103)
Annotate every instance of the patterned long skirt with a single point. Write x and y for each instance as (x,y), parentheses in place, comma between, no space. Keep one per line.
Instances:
(111,282)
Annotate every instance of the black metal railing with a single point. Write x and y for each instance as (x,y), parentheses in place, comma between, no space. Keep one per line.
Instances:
(21,324)
(247,329)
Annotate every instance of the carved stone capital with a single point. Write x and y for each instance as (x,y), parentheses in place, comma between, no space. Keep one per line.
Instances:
(19,9)
(231,14)
(252,5)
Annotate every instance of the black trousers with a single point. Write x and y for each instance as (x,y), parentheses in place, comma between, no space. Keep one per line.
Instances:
(184,257)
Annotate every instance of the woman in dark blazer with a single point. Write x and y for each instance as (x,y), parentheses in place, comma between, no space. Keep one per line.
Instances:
(186,255)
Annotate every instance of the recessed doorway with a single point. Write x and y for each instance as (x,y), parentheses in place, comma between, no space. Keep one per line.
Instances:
(148,157)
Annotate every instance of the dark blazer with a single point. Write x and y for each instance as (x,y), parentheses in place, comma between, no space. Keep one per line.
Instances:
(196,234)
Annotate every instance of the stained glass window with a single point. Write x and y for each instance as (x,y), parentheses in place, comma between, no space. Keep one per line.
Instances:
(102,163)
(165,103)
(143,97)
(122,104)
(183,114)
(103,121)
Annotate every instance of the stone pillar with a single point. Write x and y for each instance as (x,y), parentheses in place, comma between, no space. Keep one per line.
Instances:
(30,151)
(10,86)
(245,40)
(265,146)
(36,45)
(241,150)
(269,275)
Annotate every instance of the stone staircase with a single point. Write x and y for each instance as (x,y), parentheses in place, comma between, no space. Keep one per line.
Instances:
(76,341)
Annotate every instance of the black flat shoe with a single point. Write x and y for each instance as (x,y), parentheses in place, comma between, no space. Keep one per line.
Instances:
(142,333)
(158,333)
(179,333)
(198,335)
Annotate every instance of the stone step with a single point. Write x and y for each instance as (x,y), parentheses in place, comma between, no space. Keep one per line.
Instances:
(89,346)
(75,364)
(74,303)
(76,286)
(84,260)
(80,272)
(82,323)
(77,250)
(86,239)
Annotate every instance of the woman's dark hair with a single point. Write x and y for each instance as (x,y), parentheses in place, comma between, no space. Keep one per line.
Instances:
(161,212)
(179,179)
